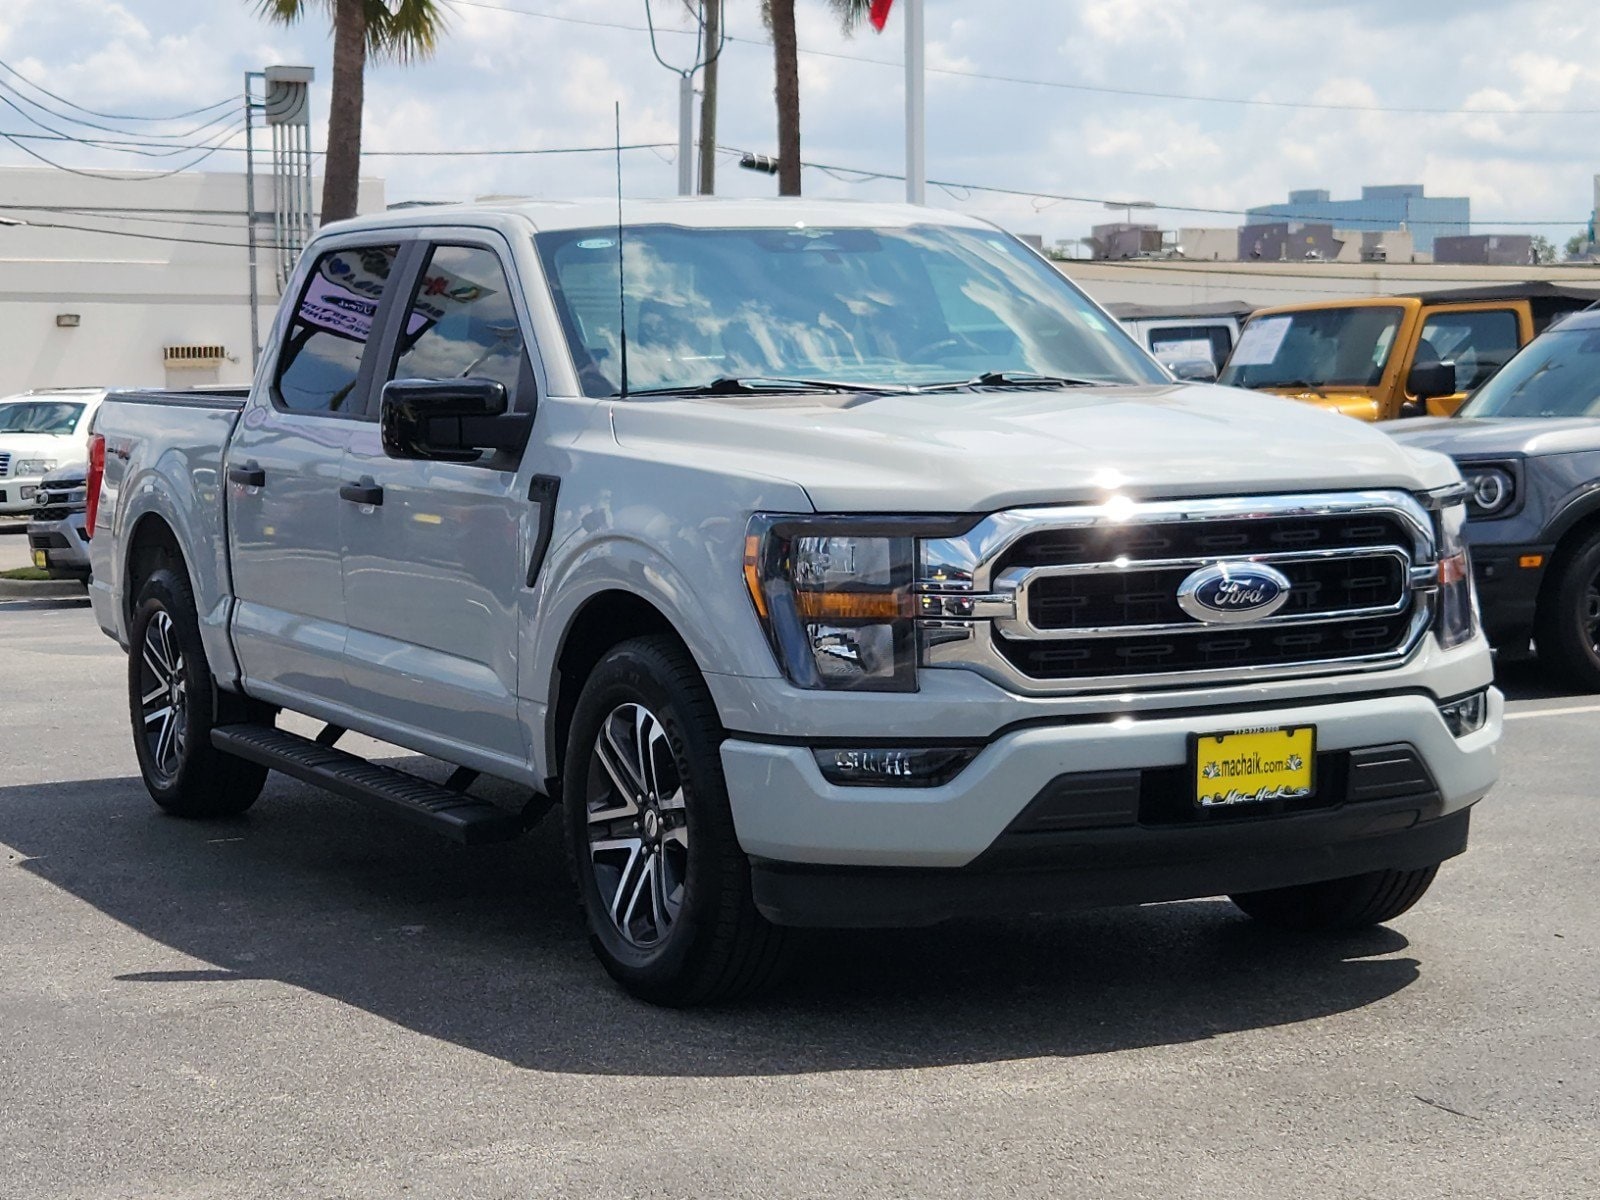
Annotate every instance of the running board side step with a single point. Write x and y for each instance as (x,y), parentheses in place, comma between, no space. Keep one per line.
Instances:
(462,818)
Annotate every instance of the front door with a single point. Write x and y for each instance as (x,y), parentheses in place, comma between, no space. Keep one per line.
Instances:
(1478,340)
(284,468)
(435,569)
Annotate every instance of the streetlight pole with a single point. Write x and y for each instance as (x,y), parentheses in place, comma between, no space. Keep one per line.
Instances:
(916,143)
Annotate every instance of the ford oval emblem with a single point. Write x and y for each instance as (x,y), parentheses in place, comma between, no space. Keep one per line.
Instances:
(1233,592)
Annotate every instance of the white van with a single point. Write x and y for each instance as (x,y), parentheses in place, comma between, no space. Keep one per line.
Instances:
(1185,335)
(40,431)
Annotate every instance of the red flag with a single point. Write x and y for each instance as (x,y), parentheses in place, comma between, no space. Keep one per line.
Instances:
(879,16)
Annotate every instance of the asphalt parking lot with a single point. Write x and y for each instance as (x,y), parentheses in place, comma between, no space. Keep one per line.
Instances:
(313,1001)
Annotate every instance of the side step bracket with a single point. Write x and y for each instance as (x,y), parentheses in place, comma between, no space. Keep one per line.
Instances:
(462,818)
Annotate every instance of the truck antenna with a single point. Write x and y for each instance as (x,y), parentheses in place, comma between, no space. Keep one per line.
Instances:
(622,291)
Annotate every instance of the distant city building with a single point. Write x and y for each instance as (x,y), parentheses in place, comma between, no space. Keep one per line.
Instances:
(1124,240)
(1499,250)
(1401,206)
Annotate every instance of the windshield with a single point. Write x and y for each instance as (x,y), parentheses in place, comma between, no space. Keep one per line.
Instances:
(1321,347)
(39,416)
(915,306)
(1558,375)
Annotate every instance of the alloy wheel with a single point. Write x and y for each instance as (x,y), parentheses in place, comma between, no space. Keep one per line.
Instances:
(638,826)
(163,697)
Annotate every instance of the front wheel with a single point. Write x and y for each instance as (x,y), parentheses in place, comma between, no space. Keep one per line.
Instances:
(1339,905)
(172,702)
(1568,632)
(664,886)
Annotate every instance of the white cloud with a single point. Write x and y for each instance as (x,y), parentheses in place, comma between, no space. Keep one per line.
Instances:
(506,80)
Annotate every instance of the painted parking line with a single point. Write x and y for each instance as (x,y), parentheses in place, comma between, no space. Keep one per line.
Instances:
(1529,713)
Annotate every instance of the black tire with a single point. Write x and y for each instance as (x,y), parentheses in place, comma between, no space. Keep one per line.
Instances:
(1339,905)
(183,772)
(1568,623)
(713,946)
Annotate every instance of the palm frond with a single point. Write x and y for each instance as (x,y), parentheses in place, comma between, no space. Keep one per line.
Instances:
(851,12)
(409,31)
(287,12)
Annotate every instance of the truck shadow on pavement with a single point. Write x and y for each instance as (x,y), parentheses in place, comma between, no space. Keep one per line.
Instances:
(483,948)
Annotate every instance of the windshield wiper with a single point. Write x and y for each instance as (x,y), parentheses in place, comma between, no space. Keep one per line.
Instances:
(752,385)
(1016,379)
(1304,385)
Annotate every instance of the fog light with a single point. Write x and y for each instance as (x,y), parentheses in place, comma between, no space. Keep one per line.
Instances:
(853,766)
(1466,715)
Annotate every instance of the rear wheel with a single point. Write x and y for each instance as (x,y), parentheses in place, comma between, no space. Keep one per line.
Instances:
(663,883)
(1339,905)
(1568,633)
(173,704)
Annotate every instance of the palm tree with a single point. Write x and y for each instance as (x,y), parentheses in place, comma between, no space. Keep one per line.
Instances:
(779,15)
(402,31)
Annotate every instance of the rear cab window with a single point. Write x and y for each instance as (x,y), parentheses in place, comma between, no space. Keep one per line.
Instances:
(319,364)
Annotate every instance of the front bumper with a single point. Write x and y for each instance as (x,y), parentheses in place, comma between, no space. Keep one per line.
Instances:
(16,496)
(63,544)
(1119,786)
(1508,591)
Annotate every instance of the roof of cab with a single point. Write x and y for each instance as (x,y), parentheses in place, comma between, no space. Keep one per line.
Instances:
(702,212)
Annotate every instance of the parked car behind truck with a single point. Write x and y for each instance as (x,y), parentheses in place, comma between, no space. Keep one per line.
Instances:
(1528,443)
(40,431)
(1382,357)
(1180,336)
(855,570)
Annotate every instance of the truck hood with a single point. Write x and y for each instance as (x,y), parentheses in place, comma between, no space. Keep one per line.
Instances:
(982,451)
(1476,437)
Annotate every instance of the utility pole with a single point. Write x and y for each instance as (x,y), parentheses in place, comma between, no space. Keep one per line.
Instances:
(708,49)
(711,45)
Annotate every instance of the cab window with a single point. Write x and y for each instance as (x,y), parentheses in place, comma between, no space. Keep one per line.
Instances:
(462,323)
(333,321)
(1478,343)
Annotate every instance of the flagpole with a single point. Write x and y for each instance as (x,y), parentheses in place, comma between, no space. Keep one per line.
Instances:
(916,155)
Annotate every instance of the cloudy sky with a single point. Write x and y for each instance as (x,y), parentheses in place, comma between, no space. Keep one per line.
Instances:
(1517,78)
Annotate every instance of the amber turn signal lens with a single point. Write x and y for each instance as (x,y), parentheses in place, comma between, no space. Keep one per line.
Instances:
(852,606)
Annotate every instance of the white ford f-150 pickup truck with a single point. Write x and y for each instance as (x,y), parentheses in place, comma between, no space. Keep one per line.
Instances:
(823,564)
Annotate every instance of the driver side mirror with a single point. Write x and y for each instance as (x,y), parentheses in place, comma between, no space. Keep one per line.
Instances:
(1428,380)
(448,420)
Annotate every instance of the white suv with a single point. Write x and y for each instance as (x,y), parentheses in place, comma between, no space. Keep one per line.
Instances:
(40,431)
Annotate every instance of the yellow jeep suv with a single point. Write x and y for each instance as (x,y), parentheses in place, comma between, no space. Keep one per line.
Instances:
(1381,357)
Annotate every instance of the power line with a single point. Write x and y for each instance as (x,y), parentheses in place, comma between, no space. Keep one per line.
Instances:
(608,148)
(38,87)
(1096,89)
(863,175)
(197,131)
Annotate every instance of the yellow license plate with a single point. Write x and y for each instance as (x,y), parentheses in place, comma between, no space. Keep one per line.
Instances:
(41,559)
(1254,766)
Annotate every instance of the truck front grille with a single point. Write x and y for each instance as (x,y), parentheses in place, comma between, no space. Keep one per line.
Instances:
(5,465)
(1082,597)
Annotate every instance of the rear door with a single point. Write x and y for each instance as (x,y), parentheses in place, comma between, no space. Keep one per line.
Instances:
(434,572)
(1477,338)
(284,468)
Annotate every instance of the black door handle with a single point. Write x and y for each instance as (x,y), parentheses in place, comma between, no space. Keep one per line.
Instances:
(364,492)
(251,475)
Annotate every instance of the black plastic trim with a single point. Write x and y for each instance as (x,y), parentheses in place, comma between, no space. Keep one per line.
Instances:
(542,490)
(1117,867)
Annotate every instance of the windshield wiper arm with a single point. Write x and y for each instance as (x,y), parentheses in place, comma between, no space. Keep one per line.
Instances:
(751,385)
(1016,379)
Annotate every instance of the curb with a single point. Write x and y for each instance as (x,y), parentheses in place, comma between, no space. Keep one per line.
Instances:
(45,589)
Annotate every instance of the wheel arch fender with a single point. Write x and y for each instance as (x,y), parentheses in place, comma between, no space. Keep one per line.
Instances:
(153,520)
(618,588)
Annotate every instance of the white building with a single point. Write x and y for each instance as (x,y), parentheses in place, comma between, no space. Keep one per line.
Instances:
(136,280)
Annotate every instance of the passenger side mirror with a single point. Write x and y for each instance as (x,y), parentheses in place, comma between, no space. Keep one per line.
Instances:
(448,420)
(1194,370)
(1428,380)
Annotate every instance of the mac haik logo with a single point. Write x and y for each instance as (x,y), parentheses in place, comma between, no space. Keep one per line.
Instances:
(1233,592)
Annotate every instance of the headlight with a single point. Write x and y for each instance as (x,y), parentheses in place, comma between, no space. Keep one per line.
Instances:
(1457,619)
(1491,488)
(834,597)
(33,466)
